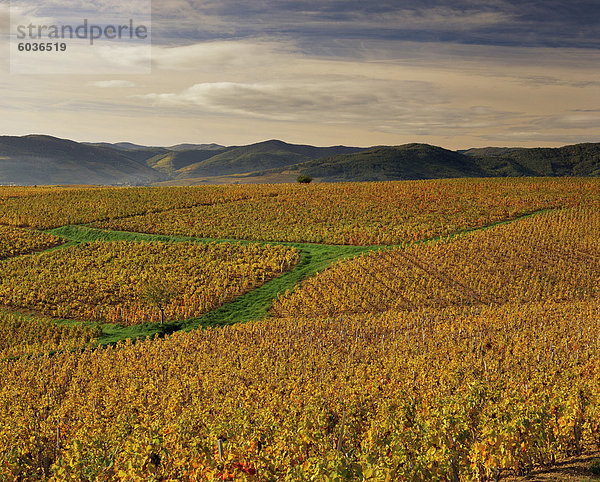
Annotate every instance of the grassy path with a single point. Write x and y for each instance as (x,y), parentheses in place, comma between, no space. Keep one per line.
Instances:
(253,305)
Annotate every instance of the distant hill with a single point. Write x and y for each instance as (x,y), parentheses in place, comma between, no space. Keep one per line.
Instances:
(122,146)
(410,161)
(423,161)
(260,156)
(197,147)
(128,146)
(143,155)
(170,162)
(574,160)
(40,159)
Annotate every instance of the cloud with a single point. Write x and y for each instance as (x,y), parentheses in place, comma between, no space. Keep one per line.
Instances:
(462,70)
(283,102)
(533,138)
(394,87)
(219,55)
(66,9)
(108,84)
(536,23)
(344,27)
(81,58)
(575,119)
(407,107)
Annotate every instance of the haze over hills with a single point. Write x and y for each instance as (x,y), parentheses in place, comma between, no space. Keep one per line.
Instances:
(122,146)
(187,147)
(40,159)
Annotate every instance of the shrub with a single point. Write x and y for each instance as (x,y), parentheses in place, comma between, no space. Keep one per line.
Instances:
(304,179)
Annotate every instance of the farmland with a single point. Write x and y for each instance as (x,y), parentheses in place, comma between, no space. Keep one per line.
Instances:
(16,241)
(426,330)
(554,256)
(359,213)
(108,282)
(26,335)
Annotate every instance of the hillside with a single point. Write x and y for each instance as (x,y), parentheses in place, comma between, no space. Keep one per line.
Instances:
(170,162)
(203,147)
(263,155)
(574,160)
(122,146)
(423,161)
(410,161)
(40,159)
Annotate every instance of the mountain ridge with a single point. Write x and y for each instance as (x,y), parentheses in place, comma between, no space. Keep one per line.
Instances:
(43,159)
(272,153)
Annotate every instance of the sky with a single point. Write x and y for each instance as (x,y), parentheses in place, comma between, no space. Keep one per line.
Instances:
(456,74)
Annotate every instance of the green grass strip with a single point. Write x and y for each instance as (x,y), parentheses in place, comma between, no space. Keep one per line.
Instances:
(253,305)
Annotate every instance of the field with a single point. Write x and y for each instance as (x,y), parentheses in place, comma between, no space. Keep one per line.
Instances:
(128,283)
(430,330)
(26,335)
(16,241)
(554,256)
(359,213)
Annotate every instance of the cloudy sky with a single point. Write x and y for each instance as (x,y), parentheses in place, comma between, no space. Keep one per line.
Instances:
(458,74)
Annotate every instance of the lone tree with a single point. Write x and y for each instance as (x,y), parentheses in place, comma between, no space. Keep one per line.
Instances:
(304,179)
(159,295)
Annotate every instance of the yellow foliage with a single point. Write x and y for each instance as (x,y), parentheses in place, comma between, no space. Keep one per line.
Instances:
(417,396)
(551,256)
(111,282)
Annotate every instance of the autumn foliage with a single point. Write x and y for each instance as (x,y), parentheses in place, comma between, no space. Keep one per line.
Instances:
(108,282)
(453,353)
(418,395)
(27,335)
(553,256)
(15,241)
(361,213)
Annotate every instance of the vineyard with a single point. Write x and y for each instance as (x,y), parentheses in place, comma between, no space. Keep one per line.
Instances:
(361,214)
(15,241)
(25,335)
(399,396)
(553,256)
(443,330)
(125,283)
(348,213)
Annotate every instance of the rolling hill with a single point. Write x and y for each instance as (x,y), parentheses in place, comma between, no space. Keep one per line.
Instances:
(574,160)
(423,161)
(40,159)
(171,162)
(410,161)
(263,155)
